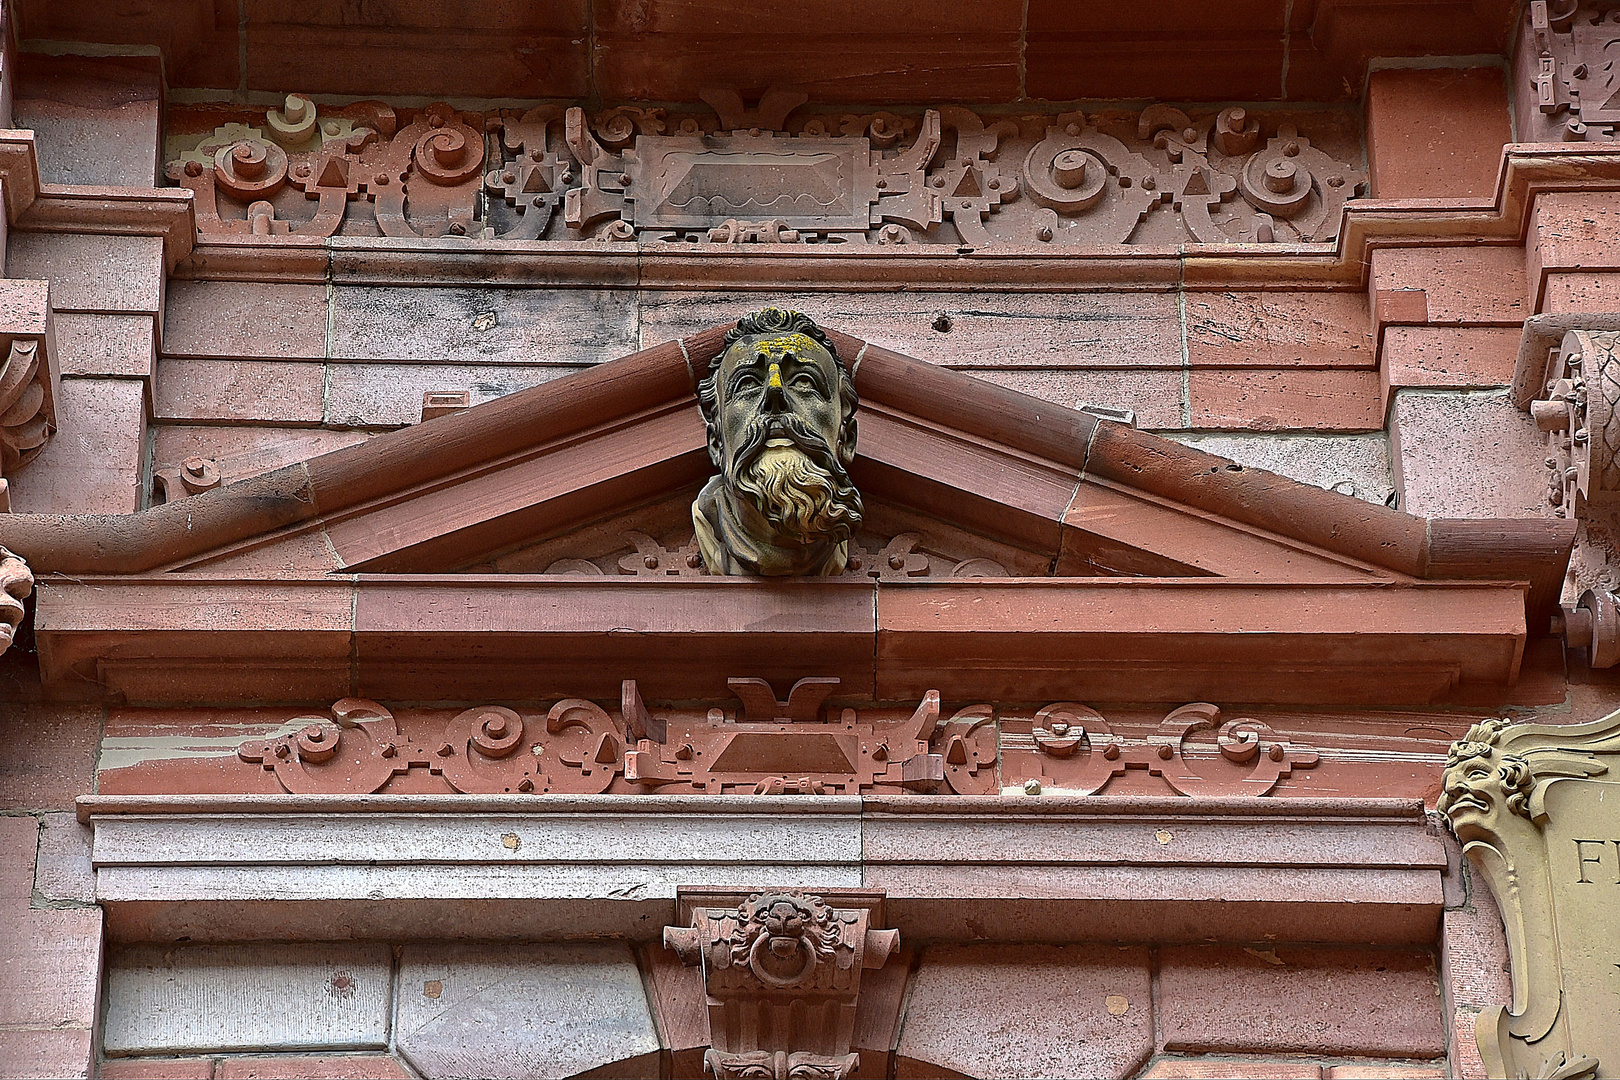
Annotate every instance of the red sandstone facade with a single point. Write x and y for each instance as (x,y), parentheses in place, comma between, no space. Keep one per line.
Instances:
(1236,432)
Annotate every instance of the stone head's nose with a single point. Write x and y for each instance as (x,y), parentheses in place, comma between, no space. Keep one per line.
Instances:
(773,387)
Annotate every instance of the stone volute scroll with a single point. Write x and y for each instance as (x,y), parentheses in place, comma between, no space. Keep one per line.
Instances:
(1537,808)
(780,410)
(782,973)
(16,583)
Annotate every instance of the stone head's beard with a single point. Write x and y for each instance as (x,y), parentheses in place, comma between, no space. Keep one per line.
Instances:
(807,494)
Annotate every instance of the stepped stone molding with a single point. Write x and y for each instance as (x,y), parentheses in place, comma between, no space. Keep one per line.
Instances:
(1545,834)
(713,179)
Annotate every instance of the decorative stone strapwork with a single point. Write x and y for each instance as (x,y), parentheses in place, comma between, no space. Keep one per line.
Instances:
(764,746)
(1576,85)
(714,178)
(1545,834)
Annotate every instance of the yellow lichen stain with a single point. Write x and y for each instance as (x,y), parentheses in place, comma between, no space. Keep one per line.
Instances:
(1117,1004)
(510,841)
(1164,836)
(432,988)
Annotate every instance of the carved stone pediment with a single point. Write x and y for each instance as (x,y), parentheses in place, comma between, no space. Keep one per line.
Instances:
(1537,809)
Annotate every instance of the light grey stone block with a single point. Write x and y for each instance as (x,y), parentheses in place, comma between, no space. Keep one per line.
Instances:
(483,325)
(1355,465)
(523,1011)
(1467,454)
(385,395)
(63,871)
(210,998)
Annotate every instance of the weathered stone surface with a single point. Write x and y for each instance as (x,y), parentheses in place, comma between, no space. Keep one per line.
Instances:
(1299,999)
(1285,399)
(483,326)
(239,319)
(256,391)
(1577,291)
(1012,330)
(1466,455)
(1201,1068)
(109,345)
(202,998)
(993,1010)
(386,395)
(1356,465)
(47,1055)
(50,967)
(1449,358)
(328,1067)
(1436,133)
(50,757)
(194,1068)
(1461,286)
(92,271)
(92,464)
(64,871)
(1473,952)
(1278,329)
(1153,394)
(523,1011)
(95,118)
(19,839)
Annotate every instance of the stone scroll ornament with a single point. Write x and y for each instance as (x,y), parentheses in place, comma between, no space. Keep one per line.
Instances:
(780,410)
(782,972)
(1537,809)
(767,746)
(16,584)
(712,177)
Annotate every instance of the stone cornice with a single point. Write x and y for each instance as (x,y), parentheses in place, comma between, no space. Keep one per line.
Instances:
(1327,869)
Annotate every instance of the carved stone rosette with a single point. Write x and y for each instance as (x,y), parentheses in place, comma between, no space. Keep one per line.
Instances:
(782,971)
(1546,837)
(28,385)
(16,583)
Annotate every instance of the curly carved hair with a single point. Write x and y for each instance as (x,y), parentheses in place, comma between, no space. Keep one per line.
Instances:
(778,321)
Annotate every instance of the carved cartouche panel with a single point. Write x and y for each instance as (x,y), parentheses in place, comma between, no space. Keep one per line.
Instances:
(1545,835)
(780,410)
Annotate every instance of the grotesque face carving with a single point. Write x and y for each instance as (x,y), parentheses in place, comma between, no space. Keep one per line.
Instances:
(1479,776)
(780,410)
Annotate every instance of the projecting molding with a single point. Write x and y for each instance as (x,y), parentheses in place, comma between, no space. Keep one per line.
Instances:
(539,546)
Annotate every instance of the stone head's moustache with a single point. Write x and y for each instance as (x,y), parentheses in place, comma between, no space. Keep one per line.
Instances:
(785,425)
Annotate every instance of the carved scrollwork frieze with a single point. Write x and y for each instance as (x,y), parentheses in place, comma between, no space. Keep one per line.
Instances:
(765,746)
(777,173)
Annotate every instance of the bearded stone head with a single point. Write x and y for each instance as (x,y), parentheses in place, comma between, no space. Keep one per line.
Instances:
(780,410)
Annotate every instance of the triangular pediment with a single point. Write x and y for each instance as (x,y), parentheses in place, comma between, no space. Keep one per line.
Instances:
(587,482)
